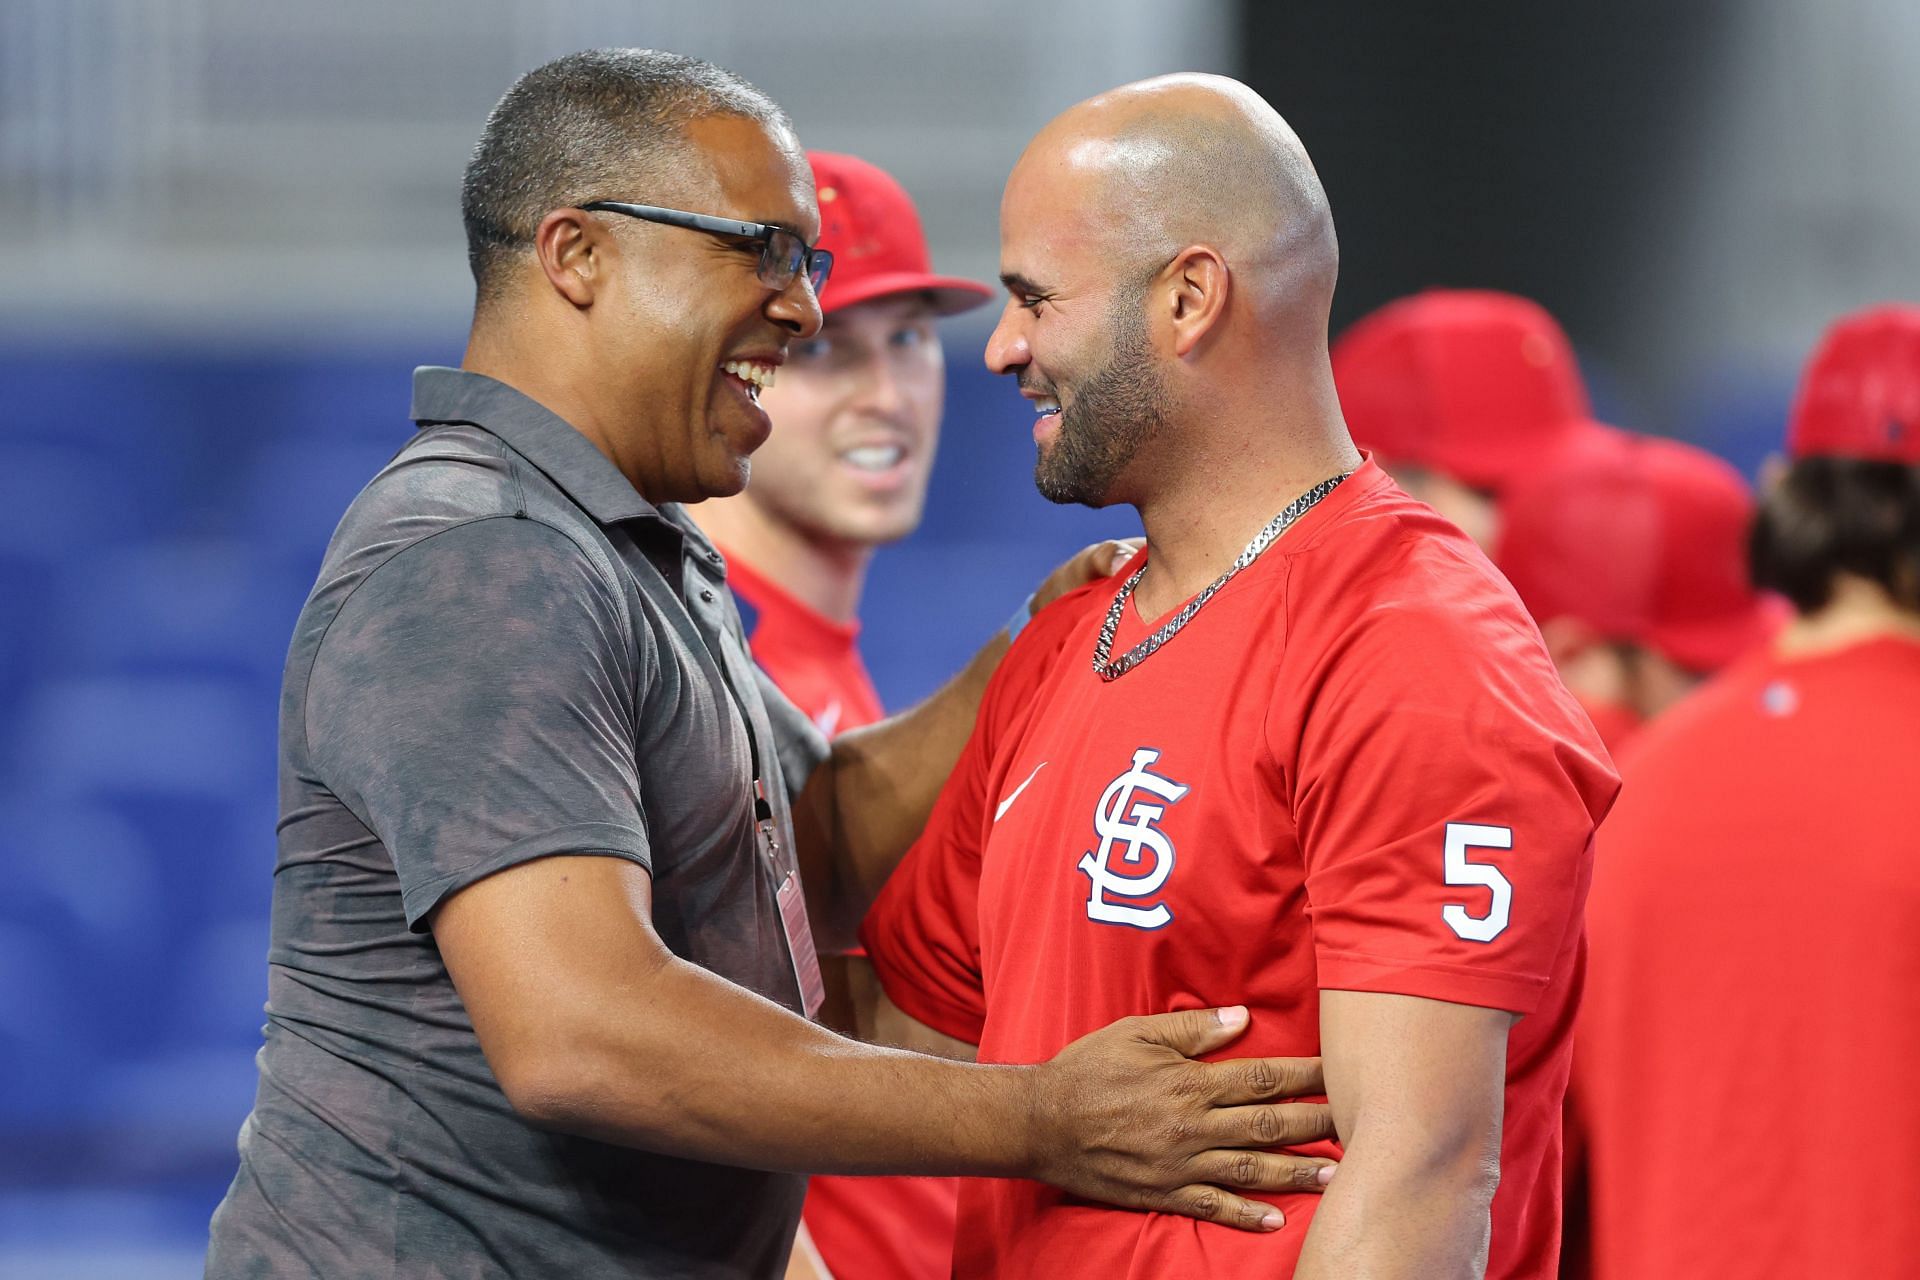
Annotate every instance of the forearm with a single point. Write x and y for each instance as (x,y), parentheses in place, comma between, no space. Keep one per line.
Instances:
(1403,1215)
(866,805)
(697,1067)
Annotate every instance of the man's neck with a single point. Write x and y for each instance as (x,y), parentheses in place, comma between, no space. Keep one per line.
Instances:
(827,577)
(1206,507)
(502,355)
(1859,610)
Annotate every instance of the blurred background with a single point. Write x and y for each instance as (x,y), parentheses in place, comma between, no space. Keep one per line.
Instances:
(229,229)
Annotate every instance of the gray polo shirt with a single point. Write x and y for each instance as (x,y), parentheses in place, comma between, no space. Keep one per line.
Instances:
(509,654)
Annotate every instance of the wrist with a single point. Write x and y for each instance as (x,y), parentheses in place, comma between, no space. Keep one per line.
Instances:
(1033,1118)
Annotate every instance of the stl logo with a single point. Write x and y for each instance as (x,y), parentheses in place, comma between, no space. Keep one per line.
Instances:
(1145,861)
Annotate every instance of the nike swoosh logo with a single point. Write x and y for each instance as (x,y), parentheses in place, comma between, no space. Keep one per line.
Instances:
(1007,804)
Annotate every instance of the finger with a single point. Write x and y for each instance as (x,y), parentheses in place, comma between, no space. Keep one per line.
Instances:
(1241,1080)
(1214,1204)
(1192,1032)
(1277,1124)
(1119,551)
(1264,1170)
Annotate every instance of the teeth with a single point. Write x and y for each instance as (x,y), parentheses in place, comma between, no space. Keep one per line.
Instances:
(875,457)
(1044,407)
(759,375)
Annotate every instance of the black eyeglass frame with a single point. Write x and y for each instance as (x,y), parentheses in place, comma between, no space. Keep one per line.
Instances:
(779,266)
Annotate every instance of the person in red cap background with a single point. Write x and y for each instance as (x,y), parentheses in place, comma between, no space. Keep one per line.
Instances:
(856,412)
(1744,1060)
(1459,392)
(1631,554)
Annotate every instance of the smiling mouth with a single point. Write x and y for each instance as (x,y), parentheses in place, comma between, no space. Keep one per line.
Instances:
(876,458)
(753,376)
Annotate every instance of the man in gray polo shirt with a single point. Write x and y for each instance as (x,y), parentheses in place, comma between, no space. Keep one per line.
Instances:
(541,970)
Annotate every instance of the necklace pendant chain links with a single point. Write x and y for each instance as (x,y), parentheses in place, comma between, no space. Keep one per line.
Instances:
(1103,648)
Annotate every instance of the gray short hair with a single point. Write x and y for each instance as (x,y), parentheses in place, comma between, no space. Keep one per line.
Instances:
(585,127)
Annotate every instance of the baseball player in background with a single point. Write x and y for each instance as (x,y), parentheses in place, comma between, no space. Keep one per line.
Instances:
(1745,1083)
(1310,752)
(1459,392)
(1631,554)
(856,412)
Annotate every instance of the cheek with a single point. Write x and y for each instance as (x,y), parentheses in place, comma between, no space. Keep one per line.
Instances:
(801,415)
(926,392)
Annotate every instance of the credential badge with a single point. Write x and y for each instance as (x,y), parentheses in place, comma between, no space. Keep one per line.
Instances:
(1125,820)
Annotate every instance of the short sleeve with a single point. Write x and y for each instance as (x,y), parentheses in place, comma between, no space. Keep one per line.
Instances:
(1446,798)
(472,702)
(923,932)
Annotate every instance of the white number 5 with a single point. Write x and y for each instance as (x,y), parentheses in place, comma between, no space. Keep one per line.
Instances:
(1462,836)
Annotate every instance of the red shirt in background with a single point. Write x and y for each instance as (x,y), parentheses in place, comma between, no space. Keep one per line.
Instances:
(1355,768)
(865,1228)
(815,660)
(1746,1088)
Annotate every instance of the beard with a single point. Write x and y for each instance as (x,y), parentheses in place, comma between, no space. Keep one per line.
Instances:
(1114,412)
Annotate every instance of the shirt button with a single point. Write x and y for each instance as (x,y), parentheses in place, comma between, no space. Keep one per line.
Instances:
(713,556)
(706,597)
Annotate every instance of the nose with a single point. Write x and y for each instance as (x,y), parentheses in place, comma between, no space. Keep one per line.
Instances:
(882,393)
(1007,346)
(796,308)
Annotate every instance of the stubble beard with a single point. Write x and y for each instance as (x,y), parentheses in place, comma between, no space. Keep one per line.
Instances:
(1114,413)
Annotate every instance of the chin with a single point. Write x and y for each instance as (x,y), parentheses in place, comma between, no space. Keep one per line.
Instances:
(725,482)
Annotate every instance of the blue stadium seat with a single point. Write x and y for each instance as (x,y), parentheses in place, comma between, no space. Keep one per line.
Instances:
(296,488)
(198,736)
(181,605)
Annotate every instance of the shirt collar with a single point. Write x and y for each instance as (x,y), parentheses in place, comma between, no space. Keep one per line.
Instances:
(539,435)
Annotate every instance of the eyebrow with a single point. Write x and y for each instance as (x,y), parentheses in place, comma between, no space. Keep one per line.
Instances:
(1017,283)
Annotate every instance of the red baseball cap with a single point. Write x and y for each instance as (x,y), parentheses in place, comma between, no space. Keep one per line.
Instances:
(869,224)
(1642,539)
(1860,394)
(1469,382)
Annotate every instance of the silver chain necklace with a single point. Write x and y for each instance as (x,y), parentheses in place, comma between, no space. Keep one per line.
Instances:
(1261,541)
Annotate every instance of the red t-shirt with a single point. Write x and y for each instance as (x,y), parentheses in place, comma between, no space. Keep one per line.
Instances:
(1302,790)
(1745,1083)
(865,1228)
(813,659)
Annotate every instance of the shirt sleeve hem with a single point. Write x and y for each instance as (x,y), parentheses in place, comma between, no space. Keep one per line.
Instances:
(913,999)
(584,839)
(1455,984)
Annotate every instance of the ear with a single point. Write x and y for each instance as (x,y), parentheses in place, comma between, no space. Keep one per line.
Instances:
(573,250)
(1198,284)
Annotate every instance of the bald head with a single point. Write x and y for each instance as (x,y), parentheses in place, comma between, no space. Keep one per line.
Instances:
(1190,159)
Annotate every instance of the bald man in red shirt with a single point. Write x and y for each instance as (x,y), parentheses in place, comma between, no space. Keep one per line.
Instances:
(1744,1081)
(1311,753)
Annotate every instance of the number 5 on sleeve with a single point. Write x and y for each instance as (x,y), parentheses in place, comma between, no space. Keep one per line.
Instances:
(1462,836)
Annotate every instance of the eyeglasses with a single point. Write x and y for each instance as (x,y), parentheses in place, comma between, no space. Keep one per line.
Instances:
(783,254)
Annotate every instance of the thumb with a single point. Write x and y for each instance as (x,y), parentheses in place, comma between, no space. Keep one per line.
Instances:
(1192,1032)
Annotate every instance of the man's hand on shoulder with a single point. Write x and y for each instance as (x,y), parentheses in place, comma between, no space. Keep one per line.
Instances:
(1101,560)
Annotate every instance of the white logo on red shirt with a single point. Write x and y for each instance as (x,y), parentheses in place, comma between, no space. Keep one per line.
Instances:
(1007,804)
(1123,819)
